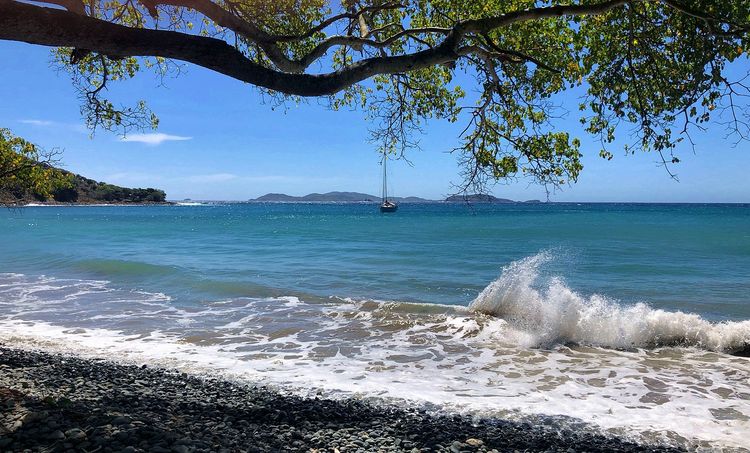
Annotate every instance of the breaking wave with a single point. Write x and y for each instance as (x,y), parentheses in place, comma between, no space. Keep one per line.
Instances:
(483,359)
(548,312)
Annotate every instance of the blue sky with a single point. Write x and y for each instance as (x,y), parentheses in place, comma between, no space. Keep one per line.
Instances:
(218,140)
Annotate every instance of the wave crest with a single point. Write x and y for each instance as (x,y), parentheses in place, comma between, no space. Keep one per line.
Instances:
(552,313)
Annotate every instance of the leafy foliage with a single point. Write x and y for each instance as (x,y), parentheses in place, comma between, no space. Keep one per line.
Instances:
(25,170)
(85,190)
(653,71)
(111,193)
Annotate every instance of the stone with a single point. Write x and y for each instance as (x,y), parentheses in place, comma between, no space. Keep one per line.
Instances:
(120,420)
(56,435)
(474,442)
(75,435)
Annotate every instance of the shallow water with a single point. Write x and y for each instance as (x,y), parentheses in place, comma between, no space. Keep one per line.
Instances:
(619,316)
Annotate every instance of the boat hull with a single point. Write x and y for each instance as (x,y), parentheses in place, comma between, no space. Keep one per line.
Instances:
(388,208)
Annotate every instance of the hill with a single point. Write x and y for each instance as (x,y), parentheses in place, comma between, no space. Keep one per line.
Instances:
(277,197)
(357,197)
(477,198)
(332,197)
(83,190)
(87,190)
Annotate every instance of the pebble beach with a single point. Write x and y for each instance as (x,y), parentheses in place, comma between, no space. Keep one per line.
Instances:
(52,402)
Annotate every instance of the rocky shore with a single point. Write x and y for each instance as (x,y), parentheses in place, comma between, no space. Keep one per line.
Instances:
(56,403)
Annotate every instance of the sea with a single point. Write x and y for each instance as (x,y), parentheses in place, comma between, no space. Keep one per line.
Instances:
(631,320)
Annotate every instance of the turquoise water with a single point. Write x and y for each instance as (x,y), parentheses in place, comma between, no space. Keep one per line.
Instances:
(622,316)
(679,257)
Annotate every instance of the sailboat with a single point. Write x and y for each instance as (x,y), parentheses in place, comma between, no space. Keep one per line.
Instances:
(387,205)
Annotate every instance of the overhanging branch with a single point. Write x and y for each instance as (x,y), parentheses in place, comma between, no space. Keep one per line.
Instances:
(57,28)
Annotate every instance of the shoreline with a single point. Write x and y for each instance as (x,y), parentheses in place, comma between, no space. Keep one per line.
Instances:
(53,402)
(426,202)
(63,205)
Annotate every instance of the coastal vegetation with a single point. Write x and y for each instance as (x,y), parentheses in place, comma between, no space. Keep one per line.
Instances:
(27,174)
(85,190)
(26,171)
(649,72)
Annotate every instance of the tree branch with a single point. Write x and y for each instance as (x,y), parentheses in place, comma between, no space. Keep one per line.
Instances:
(333,19)
(57,28)
(491,23)
(701,15)
(226,19)
(54,27)
(74,6)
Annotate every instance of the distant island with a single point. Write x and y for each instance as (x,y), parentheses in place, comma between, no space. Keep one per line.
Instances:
(357,197)
(333,197)
(88,191)
(477,198)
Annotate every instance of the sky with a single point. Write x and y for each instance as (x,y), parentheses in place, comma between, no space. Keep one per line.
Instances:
(219,140)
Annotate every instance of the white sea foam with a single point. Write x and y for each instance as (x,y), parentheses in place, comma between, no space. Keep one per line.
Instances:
(450,357)
(555,314)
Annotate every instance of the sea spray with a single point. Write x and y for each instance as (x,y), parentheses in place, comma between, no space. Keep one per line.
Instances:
(551,313)
(444,357)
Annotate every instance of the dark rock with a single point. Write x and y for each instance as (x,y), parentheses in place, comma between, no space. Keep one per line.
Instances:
(121,421)
(56,435)
(75,435)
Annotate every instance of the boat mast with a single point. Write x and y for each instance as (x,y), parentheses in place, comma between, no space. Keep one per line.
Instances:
(385,175)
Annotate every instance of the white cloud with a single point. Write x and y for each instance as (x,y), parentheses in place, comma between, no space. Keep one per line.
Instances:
(75,127)
(37,122)
(153,139)
(216,177)
(133,178)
